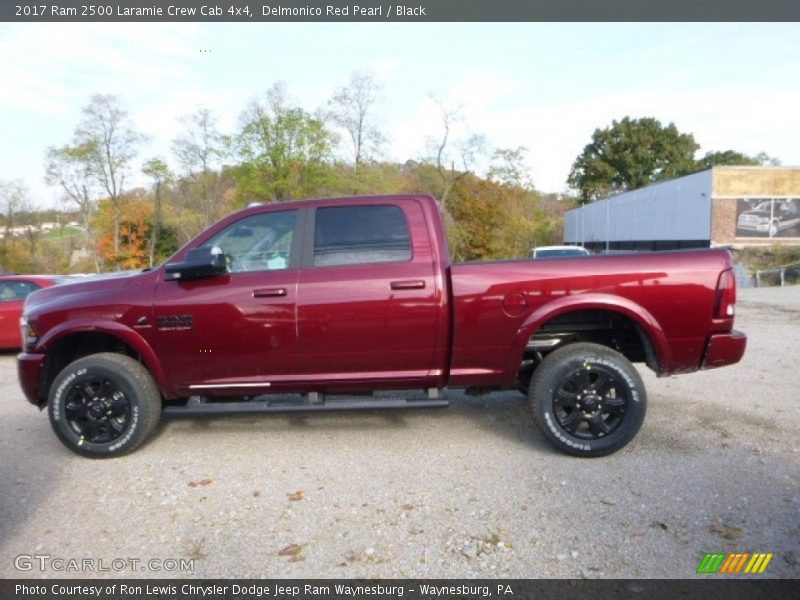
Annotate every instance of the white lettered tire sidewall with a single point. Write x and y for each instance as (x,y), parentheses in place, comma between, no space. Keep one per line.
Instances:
(548,378)
(132,378)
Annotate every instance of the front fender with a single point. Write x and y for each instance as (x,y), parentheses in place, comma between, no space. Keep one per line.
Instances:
(572,303)
(122,332)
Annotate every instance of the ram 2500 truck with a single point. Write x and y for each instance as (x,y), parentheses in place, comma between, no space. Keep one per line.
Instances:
(321,299)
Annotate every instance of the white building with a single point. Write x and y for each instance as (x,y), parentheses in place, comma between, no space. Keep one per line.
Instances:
(722,206)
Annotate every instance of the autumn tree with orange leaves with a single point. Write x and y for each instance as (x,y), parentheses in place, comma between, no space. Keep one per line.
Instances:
(135,219)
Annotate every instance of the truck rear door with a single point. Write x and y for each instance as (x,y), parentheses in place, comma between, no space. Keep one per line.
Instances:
(369,302)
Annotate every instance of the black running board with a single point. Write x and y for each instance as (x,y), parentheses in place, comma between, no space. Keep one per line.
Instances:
(261,406)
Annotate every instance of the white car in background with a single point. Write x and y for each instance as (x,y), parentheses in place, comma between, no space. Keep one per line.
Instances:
(558,252)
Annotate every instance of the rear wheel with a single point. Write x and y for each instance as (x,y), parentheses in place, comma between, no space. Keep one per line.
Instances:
(104,405)
(587,399)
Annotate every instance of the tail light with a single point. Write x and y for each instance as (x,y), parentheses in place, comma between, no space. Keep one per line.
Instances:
(725,305)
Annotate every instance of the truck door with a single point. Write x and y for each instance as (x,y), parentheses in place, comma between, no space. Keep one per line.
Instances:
(368,304)
(237,330)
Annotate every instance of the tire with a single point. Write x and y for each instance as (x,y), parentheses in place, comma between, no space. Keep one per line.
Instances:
(104,405)
(587,400)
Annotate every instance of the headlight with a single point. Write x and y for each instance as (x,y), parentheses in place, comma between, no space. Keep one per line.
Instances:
(29,334)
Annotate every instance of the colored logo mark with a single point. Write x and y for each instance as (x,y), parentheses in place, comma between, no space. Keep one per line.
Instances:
(738,562)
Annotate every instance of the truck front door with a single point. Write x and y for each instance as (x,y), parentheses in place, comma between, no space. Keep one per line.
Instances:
(236,331)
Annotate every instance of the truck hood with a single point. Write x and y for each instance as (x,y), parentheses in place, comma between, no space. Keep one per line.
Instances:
(757,213)
(84,290)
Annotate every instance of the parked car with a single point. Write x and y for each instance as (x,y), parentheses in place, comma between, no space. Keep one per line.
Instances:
(358,295)
(558,252)
(13,291)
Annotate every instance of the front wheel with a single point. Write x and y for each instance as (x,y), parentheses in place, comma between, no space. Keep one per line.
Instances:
(104,405)
(587,399)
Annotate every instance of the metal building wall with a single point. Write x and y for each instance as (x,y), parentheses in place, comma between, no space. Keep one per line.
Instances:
(678,210)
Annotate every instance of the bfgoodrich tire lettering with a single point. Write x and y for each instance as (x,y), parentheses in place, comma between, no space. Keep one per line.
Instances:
(587,399)
(104,405)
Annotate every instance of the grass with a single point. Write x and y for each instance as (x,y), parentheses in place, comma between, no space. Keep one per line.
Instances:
(768,257)
(61,233)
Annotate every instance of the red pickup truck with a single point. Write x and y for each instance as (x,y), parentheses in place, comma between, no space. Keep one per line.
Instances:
(333,300)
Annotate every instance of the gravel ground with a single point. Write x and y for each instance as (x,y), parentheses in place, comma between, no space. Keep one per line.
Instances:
(468,491)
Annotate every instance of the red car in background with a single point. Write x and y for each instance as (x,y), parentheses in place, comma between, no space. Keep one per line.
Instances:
(13,291)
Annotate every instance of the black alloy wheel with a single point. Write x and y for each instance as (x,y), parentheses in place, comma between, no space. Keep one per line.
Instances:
(587,399)
(104,405)
(591,402)
(97,409)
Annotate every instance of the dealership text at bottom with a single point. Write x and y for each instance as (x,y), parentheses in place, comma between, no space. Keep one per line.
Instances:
(256,590)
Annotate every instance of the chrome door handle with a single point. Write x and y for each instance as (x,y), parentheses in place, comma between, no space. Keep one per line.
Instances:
(269,293)
(408,285)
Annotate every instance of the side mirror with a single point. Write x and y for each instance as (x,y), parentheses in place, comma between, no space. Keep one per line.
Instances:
(199,263)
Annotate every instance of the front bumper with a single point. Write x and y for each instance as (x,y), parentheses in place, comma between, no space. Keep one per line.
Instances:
(724,349)
(760,227)
(29,369)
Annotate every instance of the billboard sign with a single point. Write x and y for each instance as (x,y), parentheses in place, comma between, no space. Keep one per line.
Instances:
(768,217)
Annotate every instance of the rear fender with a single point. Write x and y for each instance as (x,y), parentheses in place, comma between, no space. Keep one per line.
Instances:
(572,303)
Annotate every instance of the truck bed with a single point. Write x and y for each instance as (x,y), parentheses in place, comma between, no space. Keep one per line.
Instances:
(670,296)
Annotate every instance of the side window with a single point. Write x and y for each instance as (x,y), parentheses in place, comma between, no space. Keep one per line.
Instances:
(350,235)
(258,243)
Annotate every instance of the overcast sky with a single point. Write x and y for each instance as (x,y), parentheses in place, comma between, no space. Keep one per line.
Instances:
(543,86)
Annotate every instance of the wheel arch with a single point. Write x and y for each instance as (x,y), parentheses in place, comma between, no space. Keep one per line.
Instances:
(65,345)
(652,336)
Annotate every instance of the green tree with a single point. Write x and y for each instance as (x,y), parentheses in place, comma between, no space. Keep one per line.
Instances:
(284,151)
(157,170)
(733,158)
(13,197)
(765,160)
(629,154)
(476,211)
(109,141)
(509,167)
(468,148)
(70,168)
(198,148)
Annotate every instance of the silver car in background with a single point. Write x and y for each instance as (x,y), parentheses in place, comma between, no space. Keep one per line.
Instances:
(558,252)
